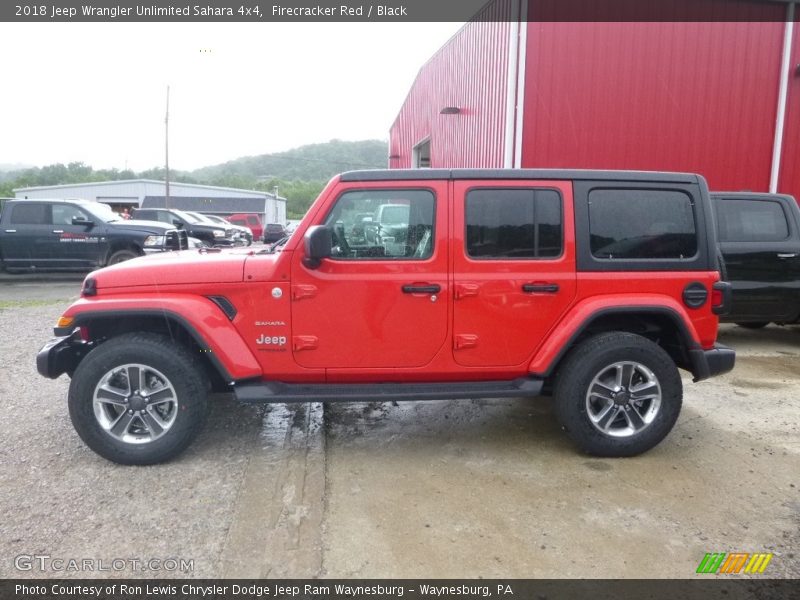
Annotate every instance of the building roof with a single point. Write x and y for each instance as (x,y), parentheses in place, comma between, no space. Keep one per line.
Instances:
(172,184)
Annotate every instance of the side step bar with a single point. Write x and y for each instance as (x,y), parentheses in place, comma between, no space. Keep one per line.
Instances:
(273,391)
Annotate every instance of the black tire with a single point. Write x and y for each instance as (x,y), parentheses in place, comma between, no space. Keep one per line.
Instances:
(758,325)
(121,256)
(608,354)
(159,357)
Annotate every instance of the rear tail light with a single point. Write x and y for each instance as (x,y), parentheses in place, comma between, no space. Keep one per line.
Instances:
(716,298)
(721,293)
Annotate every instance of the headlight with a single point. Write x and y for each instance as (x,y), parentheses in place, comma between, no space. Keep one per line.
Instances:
(219,233)
(155,240)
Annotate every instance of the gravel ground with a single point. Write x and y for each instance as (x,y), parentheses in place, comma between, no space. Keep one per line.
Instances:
(439,489)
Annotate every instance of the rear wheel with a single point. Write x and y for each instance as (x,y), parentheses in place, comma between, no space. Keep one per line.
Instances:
(618,394)
(138,399)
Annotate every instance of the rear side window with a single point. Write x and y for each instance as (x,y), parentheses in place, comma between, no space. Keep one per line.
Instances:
(751,221)
(642,224)
(514,223)
(30,214)
(252,220)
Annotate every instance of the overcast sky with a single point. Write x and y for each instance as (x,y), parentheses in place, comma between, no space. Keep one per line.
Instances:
(96,93)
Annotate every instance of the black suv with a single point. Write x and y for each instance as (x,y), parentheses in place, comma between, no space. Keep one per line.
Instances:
(213,235)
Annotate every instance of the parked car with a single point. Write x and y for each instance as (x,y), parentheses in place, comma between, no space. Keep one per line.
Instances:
(274,232)
(211,234)
(245,232)
(759,236)
(76,235)
(501,290)
(250,220)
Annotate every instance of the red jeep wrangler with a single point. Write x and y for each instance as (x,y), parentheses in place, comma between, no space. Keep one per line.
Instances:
(592,286)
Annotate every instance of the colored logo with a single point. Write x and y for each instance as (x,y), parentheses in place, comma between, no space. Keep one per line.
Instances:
(734,562)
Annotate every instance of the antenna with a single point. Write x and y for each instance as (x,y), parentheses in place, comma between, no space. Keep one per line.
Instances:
(166,145)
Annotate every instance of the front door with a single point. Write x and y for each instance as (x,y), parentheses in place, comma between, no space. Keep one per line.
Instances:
(514,268)
(74,246)
(380,303)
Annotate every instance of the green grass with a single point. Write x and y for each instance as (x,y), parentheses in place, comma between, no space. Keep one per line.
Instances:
(5,304)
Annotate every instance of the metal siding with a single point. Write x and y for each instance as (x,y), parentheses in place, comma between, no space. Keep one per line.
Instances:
(690,96)
(469,72)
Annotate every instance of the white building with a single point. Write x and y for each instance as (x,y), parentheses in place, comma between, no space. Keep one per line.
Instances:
(148,193)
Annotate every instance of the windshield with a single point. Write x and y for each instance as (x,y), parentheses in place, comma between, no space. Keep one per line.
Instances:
(102,212)
(185,216)
(201,218)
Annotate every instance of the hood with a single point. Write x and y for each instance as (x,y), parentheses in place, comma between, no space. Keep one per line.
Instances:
(137,225)
(174,268)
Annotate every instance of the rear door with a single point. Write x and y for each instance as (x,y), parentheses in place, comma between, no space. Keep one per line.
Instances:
(514,268)
(759,240)
(26,235)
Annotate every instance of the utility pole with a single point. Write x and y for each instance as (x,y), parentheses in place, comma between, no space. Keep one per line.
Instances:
(166,144)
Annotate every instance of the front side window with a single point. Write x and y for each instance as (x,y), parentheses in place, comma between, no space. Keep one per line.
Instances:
(64,213)
(514,223)
(642,224)
(383,224)
(751,221)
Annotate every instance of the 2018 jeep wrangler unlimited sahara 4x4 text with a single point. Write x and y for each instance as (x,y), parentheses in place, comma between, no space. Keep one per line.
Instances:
(592,286)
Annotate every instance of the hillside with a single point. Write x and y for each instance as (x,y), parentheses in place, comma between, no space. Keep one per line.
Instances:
(315,162)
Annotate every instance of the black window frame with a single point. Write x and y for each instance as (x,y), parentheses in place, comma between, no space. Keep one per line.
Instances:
(388,258)
(703,260)
(500,188)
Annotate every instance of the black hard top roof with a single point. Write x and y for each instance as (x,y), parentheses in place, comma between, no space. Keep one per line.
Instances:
(558,174)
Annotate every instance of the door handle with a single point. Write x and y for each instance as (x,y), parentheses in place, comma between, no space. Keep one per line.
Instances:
(787,254)
(424,288)
(540,288)
(58,231)
(11,231)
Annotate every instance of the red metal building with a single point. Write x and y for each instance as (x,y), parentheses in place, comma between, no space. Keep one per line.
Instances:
(520,88)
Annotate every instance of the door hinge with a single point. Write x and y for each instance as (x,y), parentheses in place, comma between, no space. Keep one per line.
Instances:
(304,342)
(301,291)
(464,290)
(465,340)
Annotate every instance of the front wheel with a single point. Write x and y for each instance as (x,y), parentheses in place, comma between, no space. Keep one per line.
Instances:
(138,399)
(121,256)
(618,394)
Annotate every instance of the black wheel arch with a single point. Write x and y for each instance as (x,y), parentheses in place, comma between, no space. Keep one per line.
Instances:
(660,324)
(104,325)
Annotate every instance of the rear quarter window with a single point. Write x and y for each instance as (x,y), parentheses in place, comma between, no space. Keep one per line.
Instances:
(743,220)
(642,224)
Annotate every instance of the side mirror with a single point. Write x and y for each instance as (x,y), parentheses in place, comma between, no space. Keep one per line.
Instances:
(318,243)
(82,221)
(177,223)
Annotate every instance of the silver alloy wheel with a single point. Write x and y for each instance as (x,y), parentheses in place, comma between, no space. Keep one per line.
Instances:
(135,403)
(623,399)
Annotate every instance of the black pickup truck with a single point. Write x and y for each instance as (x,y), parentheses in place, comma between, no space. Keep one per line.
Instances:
(72,235)
(759,236)
(210,233)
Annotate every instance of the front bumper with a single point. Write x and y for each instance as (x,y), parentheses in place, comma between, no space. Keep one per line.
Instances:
(61,355)
(708,363)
